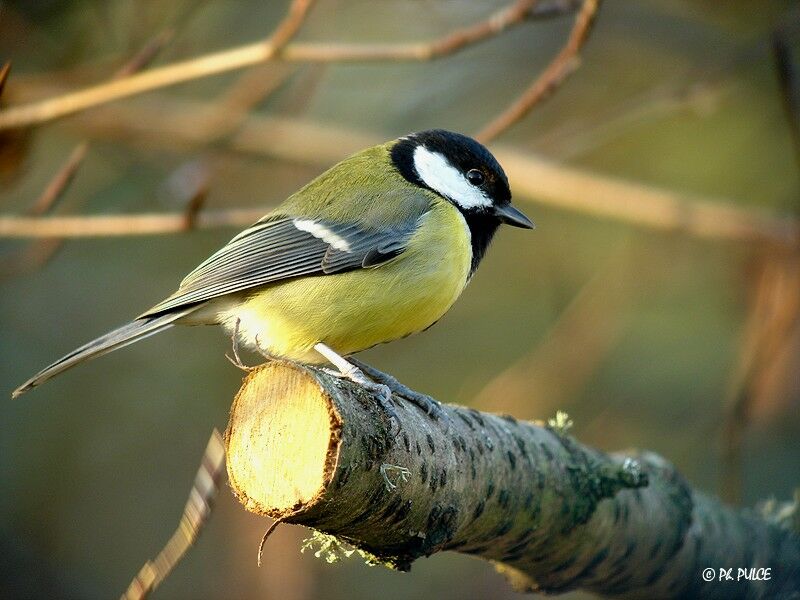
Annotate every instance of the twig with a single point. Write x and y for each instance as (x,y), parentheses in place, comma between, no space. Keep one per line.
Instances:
(790,88)
(774,311)
(562,66)
(772,322)
(146,55)
(37,254)
(532,178)
(78,226)
(54,191)
(14,143)
(259,52)
(4,71)
(195,516)
(558,367)
(40,253)
(290,25)
(265,537)
(193,207)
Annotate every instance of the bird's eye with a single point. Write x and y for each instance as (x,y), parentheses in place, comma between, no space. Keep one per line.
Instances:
(475,177)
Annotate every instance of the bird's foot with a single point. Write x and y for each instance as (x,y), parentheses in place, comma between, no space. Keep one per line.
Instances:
(235,359)
(382,393)
(237,362)
(347,370)
(428,405)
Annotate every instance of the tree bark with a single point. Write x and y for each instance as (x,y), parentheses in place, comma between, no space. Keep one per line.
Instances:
(554,515)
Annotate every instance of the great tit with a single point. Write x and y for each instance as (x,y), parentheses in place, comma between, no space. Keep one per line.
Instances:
(374,249)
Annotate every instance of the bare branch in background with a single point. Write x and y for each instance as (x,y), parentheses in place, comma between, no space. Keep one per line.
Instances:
(78,226)
(195,516)
(195,189)
(769,332)
(14,143)
(789,81)
(40,253)
(562,66)
(565,357)
(37,254)
(232,109)
(290,24)
(146,55)
(54,190)
(774,312)
(259,52)
(534,179)
(4,71)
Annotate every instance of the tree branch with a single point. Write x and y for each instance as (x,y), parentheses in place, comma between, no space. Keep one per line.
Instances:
(532,178)
(77,226)
(194,518)
(311,449)
(37,254)
(562,66)
(260,52)
(4,71)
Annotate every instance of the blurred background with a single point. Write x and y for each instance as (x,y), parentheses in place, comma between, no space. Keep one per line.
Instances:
(682,344)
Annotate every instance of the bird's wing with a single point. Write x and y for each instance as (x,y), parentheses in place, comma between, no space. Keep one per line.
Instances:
(281,247)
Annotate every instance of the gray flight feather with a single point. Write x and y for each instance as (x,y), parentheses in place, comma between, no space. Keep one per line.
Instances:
(122,336)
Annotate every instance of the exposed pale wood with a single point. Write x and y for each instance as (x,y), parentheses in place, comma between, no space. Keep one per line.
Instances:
(303,426)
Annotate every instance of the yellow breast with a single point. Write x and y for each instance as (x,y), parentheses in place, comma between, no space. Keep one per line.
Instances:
(358,309)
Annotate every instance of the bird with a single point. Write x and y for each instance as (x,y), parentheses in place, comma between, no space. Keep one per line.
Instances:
(375,249)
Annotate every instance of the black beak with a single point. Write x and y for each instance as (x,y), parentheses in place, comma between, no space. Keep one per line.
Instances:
(511,216)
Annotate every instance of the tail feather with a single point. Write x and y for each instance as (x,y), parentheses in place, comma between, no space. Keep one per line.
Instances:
(118,338)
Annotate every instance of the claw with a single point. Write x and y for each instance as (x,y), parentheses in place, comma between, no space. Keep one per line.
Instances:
(385,400)
(236,361)
(384,397)
(430,406)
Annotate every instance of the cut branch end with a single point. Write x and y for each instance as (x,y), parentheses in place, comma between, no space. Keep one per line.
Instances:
(282,440)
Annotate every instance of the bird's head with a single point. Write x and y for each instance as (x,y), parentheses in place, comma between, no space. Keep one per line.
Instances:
(460,170)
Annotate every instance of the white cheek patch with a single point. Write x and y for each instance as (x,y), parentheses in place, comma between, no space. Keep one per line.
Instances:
(321,232)
(439,175)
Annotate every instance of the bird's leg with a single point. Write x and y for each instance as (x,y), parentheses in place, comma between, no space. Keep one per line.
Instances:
(235,348)
(430,406)
(353,373)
